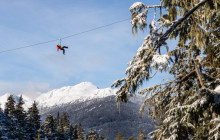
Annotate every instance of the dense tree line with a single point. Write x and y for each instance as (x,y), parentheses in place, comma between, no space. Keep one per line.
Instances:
(16,123)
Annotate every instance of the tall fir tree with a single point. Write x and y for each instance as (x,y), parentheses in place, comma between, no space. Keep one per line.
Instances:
(186,107)
(49,127)
(60,128)
(5,126)
(80,132)
(10,106)
(20,115)
(66,122)
(71,131)
(75,132)
(57,119)
(10,114)
(101,137)
(33,121)
(92,135)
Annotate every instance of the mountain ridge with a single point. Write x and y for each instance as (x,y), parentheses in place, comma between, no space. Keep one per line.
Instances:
(95,108)
(67,94)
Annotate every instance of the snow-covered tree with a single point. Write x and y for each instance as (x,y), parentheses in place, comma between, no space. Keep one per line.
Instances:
(5,126)
(49,127)
(101,137)
(33,121)
(10,117)
(20,116)
(80,132)
(92,135)
(57,119)
(75,132)
(10,106)
(66,122)
(186,107)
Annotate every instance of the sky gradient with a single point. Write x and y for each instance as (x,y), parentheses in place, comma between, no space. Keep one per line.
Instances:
(99,56)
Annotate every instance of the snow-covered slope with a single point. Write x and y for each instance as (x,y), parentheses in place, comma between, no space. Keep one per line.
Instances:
(79,92)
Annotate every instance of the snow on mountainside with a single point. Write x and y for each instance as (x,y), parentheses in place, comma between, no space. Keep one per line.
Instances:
(82,92)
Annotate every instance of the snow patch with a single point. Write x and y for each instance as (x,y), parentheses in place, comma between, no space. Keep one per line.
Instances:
(160,59)
(217,89)
(136,6)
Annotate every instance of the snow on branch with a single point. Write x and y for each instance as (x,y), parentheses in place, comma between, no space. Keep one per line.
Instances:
(212,93)
(214,133)
(139,5)
(139,14)
(166,35)
(161,60)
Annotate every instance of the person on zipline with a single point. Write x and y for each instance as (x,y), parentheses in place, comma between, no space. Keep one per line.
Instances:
(61,48)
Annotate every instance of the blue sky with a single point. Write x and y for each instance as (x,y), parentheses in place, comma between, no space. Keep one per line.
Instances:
(99,56)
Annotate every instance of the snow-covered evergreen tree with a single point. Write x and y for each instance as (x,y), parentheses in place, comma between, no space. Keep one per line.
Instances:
(10,106)
(57,119)
(49,127)
(33,121)
(20,116)
(186,107)
(66,122)
(80,132)
(11,119)
(75,132)
(92,135)
(5,122)
(101,137)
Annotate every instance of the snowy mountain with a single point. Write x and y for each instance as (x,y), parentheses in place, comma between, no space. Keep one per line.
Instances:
(80,92)
(95,108)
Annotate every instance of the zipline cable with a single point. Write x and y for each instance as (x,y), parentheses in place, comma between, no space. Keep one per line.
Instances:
(65,36)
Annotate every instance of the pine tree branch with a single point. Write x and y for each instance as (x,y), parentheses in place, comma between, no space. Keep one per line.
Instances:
(187,76)
(166,35)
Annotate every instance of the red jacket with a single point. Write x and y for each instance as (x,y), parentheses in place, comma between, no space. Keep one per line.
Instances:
(59,47)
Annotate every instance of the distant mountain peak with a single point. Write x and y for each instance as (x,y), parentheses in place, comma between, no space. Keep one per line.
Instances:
(67,94)
(80,92)
(86,84)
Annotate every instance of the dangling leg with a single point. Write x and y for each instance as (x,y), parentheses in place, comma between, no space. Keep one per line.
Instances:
(63,51)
